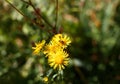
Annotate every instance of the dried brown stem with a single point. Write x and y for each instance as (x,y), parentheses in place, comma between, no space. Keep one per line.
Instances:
(15,8)
(39,15)
(81,75)
(56,19)
(20,12)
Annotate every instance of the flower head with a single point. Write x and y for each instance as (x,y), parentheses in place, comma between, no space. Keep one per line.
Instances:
(58,60)
(50,49)
(45,79)
(61,40)
(38,47)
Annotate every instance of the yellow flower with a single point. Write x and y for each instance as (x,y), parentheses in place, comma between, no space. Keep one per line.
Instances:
(58,60)
(61,40)
(50,49)
(45,79)
(38,47)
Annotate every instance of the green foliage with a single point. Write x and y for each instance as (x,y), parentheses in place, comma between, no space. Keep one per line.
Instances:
(92,24)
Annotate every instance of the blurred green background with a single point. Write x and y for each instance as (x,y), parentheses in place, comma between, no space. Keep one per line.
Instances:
(93,25)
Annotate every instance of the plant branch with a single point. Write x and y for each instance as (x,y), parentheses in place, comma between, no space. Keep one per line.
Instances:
(81,75)
(39,15)
(56,19)
(15,8)
(33,21)
(20,12)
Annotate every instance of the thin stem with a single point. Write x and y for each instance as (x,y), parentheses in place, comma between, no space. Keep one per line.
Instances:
(81,75)
(15,8)
(25,2)
(19,11)
(56,19)
(39,15)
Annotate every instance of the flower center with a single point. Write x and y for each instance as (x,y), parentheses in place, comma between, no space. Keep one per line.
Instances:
(59,60)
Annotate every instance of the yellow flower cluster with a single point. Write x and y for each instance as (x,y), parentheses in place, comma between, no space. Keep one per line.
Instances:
(55,51)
